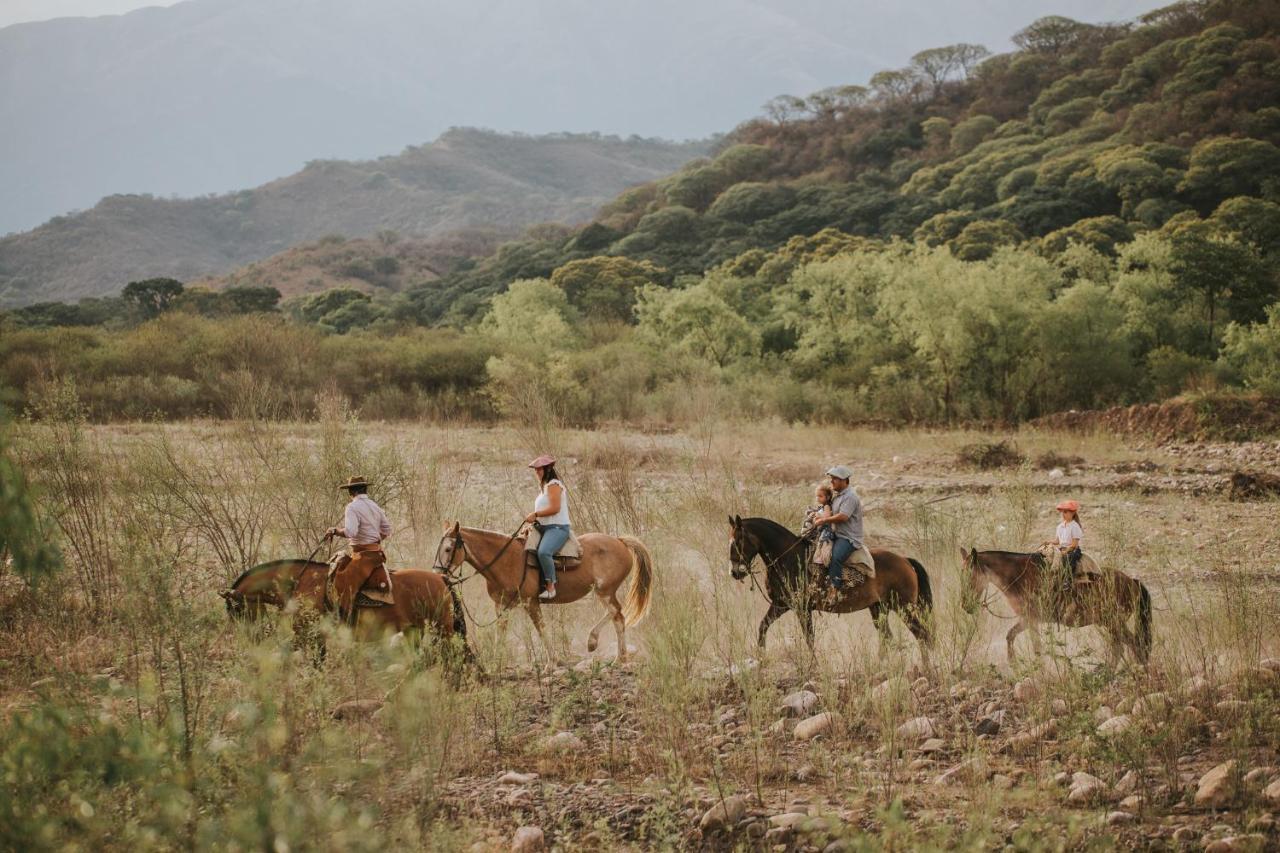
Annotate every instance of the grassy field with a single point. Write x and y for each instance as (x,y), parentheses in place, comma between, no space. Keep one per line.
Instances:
(137,717)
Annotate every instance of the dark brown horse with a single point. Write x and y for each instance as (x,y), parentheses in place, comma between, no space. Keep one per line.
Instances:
(1108,601)
(900,585)
(421,597)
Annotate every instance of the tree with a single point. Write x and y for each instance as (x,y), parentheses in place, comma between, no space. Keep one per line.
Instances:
(836,101)
(1050,34)
(979,240)
(251,300)
(604,287)
(940,64)
(1226,275)
(902,84)
(21,531)
(697,321)
(153,296)
(784,109)
(1220,168)
(1254,352)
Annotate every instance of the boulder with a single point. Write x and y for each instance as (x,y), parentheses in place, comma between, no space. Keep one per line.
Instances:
(356,709)
(1153,705)
(1217,788)
(965,771)
(816,725)
(1059,707)
(1271,794)
(1197,688)
(1027,741)
(1230,709)
(1085,788)
(511,777)
(1237,844)
(915,730)
(1119,818)
(1258,776)
(990,724)
(1128,783)
(528,839)
(1131,803)
(1026,691)
(1116,726)
(562,742)
(890,688)
(1103,714)
(723,815)
(798,704)
(932,745)
(789,820)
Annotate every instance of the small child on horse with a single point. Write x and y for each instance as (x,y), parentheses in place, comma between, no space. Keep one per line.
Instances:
(826,536)
(1069,537)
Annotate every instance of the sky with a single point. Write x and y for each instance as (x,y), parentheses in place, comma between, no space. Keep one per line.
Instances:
(19,11)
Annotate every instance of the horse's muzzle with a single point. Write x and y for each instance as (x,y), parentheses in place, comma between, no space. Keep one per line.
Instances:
(739,572)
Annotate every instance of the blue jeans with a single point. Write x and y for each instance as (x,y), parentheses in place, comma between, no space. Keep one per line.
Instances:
(553,538)
(839,553)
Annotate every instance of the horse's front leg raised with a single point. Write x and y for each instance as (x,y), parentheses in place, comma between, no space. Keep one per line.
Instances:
(775,611)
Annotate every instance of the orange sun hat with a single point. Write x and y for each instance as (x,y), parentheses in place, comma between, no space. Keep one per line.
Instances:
(1070,506)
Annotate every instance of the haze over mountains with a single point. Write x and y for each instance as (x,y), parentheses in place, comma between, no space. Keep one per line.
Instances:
(216,95)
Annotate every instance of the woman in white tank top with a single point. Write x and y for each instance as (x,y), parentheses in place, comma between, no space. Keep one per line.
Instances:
(551,515)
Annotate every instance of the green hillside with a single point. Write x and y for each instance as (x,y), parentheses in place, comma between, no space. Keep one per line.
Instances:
(1091,220)
(466,179)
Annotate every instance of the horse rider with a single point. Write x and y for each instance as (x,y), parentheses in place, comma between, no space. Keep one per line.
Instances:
(550,517)
(845,520)
(365,525)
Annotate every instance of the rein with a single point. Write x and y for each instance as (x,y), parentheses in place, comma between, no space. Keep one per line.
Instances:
(452,581)
(771,563)
(1003,590)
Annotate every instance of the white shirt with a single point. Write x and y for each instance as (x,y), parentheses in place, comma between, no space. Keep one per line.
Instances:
(543,501)
(365,523)
(1068,531)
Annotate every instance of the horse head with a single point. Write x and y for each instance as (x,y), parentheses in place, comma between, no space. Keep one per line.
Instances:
(971,592)
(235,602)
(742,549)
(452,550)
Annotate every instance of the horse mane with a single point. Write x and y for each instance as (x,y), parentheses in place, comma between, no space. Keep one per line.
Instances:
(262,567)
(772,525)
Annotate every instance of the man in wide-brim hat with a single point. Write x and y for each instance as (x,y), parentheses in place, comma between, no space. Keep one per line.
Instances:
(365,525)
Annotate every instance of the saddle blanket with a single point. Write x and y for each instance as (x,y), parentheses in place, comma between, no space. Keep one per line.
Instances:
(567,558)
(860,559)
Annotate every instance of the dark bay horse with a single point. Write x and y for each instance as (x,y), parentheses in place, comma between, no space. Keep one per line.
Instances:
(421,597)
(1028,584)
(900,585)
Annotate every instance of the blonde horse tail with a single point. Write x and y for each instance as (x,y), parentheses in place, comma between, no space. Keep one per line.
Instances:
(642,584)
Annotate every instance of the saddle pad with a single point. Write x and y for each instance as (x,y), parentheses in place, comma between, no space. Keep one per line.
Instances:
(563,564)
(572,549)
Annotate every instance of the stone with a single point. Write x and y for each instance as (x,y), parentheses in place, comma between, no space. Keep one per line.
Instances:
(1258,776)
(798,704)
(920,686)
(1217,788)
(990,724)
(1028,741)
(1059,707)
(1237,844)
(963,772)
(1272,664)
(1128,783)
(919,764)
(1153,705)
(528,839)
(511,777)
(1085,788)
(813,726)
(1103,714)
(1230,709)
(804,773)
(1271,794)
(1184,835)
(1131,803)
(723,815)
(356,709)
(918,729)
(519,798)
(1197,688)
(888,689)
(1026,691)
(932,745)
(1116,726)
(1118,818)
(562,742)
(1056,473)
(1002,781)
(789,820)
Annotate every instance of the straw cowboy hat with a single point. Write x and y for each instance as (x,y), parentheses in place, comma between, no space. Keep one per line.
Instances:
(543,461)
(352,482)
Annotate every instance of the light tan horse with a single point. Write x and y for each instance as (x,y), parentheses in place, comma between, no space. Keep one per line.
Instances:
(607,562)
(1030,587)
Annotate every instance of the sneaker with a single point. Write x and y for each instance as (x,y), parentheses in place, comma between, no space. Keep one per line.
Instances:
(546,595)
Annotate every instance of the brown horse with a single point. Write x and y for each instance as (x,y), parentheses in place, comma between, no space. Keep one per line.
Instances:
(607,561)
(1028,585)
(900,584)
(421,598)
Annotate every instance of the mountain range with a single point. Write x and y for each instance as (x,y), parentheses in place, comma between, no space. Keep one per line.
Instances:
(216,95)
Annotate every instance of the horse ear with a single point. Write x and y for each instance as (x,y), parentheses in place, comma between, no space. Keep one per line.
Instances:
(224,594)
(737,521)
(964,555)
(453,529)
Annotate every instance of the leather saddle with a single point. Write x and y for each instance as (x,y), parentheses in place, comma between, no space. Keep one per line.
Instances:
(568,558)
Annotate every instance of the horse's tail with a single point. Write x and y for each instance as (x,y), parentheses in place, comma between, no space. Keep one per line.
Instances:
(1144,622)
(924,603)
(924,597)
(642,584)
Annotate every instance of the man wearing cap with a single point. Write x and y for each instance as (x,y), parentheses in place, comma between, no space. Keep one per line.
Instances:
(846,523)
(365,525)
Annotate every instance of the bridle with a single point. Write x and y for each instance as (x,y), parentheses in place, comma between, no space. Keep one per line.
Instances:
(459,544)
(972,564)
(747,566)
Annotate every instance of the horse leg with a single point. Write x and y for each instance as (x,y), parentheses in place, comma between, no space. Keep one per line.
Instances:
(806,624)
(775,611)
(619,625)
(1018,628)
(593,639)
(535,616)
(880,616)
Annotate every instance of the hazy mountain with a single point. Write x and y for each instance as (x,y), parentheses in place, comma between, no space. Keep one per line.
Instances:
(467,179)
(211,95)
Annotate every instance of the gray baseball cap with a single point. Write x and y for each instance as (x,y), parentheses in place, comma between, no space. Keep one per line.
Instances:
(840,472)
